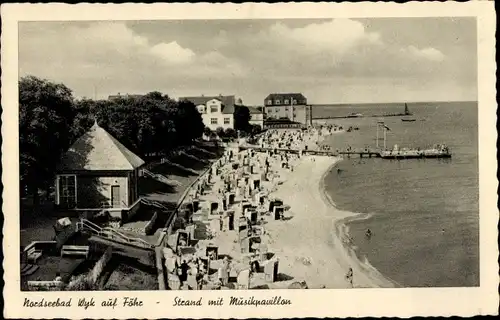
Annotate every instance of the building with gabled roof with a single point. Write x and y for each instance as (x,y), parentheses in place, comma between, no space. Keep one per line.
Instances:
(216,111)
(98,172)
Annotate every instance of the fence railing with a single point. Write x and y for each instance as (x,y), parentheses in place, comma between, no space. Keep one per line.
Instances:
(111,234)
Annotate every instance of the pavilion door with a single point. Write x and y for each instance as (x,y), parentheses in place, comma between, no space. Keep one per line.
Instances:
(115,196)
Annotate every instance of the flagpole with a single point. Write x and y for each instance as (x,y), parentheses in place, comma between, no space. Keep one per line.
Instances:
(385,137)
(378,125)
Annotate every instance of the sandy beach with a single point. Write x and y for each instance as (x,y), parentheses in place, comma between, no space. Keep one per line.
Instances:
(310,244)
(310,241)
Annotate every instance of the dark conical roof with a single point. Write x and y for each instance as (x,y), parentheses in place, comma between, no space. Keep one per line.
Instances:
(98,150)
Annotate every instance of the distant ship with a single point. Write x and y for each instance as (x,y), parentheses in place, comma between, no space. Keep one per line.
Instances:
(407,113)
(438,151)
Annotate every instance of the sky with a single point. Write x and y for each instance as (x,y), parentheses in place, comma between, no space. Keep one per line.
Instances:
(328,60)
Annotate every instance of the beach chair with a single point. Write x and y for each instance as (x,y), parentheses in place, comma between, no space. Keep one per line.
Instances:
(243,280)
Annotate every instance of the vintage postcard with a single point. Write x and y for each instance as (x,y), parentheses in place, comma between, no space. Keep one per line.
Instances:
(249,160)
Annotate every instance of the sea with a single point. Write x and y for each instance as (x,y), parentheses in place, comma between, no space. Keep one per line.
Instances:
(423,213)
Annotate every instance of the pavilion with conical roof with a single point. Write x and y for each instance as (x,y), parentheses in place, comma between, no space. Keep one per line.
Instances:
(98,172)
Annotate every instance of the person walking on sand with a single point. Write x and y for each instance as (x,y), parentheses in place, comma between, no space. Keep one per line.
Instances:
(349,277)
(368,234)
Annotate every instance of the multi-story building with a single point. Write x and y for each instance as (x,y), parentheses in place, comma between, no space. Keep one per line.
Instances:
(216,111)
(292,106)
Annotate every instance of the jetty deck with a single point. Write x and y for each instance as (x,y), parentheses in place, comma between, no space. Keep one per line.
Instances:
(361,153)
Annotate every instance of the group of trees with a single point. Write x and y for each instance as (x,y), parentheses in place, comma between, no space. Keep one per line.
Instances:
(50,120)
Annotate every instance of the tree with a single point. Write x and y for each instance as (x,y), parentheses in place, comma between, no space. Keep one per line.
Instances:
(208,132)
(230,133)
(46,116)
(241,118)
(220,132)
(256,129)
(189,122)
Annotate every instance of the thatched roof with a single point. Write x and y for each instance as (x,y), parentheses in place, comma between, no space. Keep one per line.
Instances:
(98,150)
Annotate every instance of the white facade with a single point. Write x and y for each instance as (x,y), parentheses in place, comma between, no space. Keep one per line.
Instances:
(214,117)
(257,119)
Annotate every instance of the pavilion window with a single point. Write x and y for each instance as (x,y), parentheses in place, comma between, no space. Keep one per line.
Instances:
(67,191)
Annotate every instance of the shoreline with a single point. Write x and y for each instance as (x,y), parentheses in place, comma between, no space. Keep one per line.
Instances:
(330,232)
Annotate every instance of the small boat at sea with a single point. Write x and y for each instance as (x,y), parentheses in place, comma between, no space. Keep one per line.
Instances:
(437,151)
(407,113)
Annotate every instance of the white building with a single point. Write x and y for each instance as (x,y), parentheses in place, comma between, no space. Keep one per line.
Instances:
(216,111)
(257,116)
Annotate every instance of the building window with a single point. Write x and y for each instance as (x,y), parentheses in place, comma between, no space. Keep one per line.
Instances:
(294,101)
(67,191)
(278,102)
(214,109)
(227,120)
(277,110)
(213,121)
(269,102)
(286,101)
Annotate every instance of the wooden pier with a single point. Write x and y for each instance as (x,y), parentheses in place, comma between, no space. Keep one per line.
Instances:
(368,153)
(361,153)
(293,151)
(364,153)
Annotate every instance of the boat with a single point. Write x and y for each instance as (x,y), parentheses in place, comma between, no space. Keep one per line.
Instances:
(407,113)
(437,151)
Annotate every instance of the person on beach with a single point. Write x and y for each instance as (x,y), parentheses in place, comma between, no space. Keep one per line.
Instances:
(183,272)
(349,276)
(368,234)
